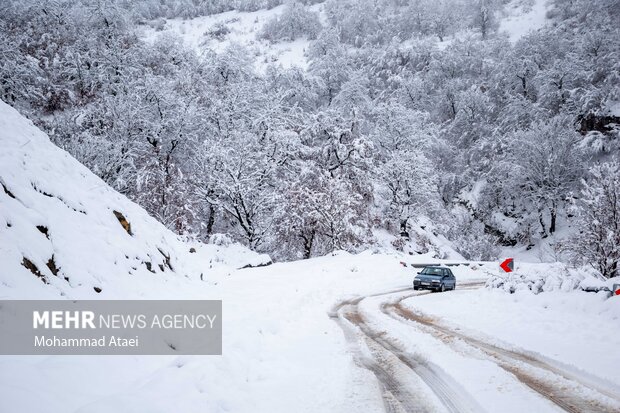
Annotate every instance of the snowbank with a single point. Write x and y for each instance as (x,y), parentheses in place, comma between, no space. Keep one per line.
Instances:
(544,277)
(537,278)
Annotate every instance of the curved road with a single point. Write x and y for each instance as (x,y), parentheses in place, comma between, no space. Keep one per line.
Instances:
(400,374)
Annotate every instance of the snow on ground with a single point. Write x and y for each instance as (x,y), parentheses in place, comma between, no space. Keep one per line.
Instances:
(493,388)
(243,29)
(280,351)
(547,249)
(523,17)
(577,329)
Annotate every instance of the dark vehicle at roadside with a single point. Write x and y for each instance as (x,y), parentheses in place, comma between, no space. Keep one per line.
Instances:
(435,278)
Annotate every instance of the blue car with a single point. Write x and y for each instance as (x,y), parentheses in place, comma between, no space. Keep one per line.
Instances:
(435,278)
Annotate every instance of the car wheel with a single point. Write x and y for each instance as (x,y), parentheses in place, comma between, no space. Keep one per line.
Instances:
(415,288)
(442,288)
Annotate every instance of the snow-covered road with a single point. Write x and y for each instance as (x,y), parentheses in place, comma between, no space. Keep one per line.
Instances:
(469,350)
(387,359)
(381,328)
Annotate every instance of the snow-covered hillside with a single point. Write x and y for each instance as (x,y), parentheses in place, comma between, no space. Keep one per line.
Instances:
(239,28)
(64,232)
(523,17)
(234,29)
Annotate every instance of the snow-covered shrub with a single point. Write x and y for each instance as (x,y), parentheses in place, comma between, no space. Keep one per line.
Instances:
(596,143)
(399,243)
(470,240)
(295,21)
(221,240)
(538,278)
(218,31)
(157,24)
(421,243)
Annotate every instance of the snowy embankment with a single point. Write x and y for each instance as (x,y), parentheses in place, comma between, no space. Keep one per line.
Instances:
(64,232)
(547,277)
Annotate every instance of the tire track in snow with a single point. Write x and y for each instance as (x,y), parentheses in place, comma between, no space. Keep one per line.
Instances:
(527,368)
(391,366)
(397,397)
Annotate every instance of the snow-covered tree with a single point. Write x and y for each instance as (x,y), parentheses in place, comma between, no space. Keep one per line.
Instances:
(484,17)
(469,237)
(597,241)
(295,21)
(548,166)
(409,186)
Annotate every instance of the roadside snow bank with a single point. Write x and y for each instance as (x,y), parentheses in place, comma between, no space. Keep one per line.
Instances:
(538,278)
(594,284)
(543,277)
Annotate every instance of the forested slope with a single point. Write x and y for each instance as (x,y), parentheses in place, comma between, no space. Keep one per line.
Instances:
(407,110)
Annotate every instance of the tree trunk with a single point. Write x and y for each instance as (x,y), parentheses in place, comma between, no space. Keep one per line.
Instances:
(542,224)
(403,228)
(210,220)
(554,215)
(308,241)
